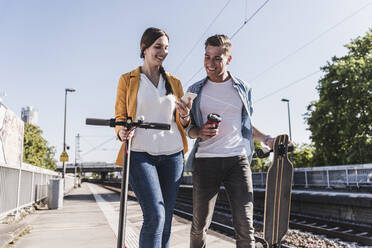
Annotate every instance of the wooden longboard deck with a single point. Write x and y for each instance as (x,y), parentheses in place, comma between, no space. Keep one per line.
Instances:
(278,193)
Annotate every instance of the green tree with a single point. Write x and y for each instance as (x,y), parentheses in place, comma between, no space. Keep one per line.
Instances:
(303,156)
(49,161)
(258,163)
(341,120)
(36,150)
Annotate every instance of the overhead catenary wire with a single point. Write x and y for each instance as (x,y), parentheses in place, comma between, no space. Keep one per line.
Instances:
(246,10)
(196,73)
(293,53)
(308,43)
(288,85)
(234,34)
(83,139)
(201,37)
(247,20)
(98,146)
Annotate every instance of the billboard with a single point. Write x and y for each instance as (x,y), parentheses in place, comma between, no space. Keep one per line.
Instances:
(11,137)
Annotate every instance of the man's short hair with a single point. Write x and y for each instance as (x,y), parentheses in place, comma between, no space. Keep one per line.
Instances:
(220,40)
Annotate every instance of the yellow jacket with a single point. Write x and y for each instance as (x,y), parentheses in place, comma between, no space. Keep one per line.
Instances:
(126,103)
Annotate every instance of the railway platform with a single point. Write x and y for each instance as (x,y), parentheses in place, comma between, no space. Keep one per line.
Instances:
(89,218)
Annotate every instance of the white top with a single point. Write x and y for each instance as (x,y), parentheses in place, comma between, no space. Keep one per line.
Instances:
(155,106)
(223,99)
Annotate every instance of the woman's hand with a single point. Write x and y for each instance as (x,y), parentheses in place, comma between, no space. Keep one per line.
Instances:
(125,134)
(184,108)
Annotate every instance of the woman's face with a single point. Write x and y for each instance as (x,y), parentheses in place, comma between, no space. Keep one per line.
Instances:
(157,52)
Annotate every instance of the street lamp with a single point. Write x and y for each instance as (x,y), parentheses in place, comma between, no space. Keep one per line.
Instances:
(64,129)
(289,118)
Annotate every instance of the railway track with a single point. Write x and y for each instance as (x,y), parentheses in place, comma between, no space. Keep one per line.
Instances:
(349,232)
(222,221)
(187,214)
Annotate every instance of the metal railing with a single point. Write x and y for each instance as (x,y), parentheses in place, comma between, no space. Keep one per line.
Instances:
(326,177)
(338,176)
(334,176)
(22,186)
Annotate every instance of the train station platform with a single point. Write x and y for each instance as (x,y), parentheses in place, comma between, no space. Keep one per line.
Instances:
(89,218)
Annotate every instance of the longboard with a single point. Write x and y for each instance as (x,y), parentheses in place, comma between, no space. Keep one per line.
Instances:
(278,194)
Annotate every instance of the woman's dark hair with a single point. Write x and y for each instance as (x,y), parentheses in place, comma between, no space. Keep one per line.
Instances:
(148,38)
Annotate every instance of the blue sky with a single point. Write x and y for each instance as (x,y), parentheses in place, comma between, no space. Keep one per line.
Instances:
(47,46)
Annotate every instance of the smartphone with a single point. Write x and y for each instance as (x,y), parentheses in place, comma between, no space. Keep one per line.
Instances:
(185,97)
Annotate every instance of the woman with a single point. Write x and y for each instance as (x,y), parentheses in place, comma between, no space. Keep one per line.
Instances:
(156,156)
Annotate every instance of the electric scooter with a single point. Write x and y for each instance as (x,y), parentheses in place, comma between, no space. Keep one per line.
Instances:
(130,125)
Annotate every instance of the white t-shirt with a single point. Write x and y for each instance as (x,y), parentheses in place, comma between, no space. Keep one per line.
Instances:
(223,99)
(155,106)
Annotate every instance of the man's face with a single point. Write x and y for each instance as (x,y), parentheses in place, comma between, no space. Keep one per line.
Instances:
(215,63)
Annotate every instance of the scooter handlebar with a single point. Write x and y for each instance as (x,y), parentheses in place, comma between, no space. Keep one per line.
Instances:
(154,125)
(98,122)
(128,124)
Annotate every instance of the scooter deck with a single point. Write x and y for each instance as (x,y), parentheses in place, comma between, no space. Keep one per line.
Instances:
(278,194)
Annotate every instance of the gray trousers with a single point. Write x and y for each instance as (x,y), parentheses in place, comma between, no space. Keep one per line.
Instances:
(235,174)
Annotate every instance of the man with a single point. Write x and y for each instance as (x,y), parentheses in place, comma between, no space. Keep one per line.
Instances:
(222,155)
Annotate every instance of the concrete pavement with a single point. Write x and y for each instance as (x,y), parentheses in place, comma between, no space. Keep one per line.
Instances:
(89,218)
(80,223)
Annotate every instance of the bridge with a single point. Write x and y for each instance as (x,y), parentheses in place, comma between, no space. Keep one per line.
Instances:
(95,167)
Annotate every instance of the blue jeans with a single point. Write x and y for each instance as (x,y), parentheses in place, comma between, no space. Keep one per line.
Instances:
(155,181)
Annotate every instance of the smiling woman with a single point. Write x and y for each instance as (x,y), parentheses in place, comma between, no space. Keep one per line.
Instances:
(156,155)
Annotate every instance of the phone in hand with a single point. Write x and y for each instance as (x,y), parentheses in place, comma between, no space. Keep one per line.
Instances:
(185,97)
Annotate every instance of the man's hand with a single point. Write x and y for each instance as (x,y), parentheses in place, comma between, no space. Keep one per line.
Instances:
(207,131)
(270,142)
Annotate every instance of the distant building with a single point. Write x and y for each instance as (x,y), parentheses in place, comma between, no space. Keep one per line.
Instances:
(2,95)
(30,115)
